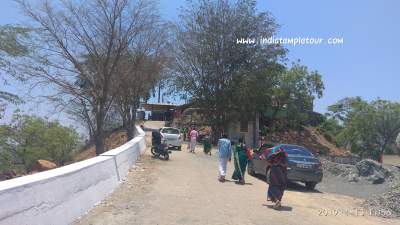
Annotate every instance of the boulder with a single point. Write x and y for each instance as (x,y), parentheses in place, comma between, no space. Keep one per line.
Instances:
(353,178)
(43,165)
(368,167)
(376,178)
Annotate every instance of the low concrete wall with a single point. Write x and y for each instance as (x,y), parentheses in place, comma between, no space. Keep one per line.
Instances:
(126,155)
(61,195)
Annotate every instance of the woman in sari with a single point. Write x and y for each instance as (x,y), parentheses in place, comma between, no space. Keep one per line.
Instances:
(240,156)
(207,145)
(277,175)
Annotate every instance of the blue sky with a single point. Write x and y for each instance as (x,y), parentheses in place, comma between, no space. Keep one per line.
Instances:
(366,64)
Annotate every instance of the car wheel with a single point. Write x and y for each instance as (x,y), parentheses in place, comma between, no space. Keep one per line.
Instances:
(250,168)
(311,185)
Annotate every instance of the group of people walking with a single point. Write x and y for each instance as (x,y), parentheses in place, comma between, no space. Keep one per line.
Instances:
(277,162)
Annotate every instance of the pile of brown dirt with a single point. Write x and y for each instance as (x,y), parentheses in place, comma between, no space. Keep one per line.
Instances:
(310,138)
(114,140)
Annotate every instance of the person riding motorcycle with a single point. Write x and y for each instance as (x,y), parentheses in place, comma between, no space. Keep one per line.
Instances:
(156,139)
(158,146)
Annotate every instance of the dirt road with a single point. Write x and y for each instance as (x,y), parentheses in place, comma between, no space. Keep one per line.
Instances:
(185,191)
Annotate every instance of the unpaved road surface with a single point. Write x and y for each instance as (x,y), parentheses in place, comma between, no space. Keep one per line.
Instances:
(185,190)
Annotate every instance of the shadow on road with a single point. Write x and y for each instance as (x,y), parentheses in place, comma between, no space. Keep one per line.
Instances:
(283,208)
(292,186)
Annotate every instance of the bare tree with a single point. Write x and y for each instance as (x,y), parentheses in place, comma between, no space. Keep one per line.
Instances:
(79,47)
(80,110)
(139,75)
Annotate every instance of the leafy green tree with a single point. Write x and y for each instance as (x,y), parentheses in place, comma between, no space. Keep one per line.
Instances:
(254,92)
(369,129)
(11,47)
(5,150)
(330,128)
(29,138)
(294,92)
(211,65)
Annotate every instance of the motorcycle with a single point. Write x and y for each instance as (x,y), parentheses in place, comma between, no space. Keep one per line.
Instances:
(161,150)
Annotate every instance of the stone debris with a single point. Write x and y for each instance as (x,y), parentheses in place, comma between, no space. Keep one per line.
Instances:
(369,167)
(369,171)
(386,204)
(366,169)
(353,178)
(338,169)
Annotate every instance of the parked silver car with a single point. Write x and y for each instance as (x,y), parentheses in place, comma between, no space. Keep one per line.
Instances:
(172,137)
(303,166)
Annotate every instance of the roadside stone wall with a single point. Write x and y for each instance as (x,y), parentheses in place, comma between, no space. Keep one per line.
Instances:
(61,195)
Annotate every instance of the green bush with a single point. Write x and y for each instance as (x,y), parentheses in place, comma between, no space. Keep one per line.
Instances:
(29,138)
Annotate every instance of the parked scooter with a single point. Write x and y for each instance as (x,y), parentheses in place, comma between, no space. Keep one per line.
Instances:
(161,150)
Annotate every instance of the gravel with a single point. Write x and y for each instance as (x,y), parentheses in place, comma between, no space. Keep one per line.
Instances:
(365,170)
(378,185)
(386,204)
(338,169)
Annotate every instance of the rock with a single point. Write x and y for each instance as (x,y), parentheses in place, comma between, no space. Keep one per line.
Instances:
(368,167)
(43,165)
(338,169)
(353,178)
(376,178)
(386,204)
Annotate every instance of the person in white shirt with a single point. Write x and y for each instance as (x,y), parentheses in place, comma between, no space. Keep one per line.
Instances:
(224,156)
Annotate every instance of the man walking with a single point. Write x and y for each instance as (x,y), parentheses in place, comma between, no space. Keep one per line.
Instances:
(193,139)
(224,156)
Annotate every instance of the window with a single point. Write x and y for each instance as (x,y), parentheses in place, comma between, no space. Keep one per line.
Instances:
(170,131)
(296,150)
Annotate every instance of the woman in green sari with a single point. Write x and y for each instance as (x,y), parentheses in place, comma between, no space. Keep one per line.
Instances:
(240,156)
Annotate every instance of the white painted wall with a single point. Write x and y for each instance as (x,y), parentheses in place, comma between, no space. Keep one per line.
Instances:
(61,195)
(126,155)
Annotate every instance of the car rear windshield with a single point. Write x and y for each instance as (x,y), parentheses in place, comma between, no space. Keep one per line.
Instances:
(296,150)
(170,131)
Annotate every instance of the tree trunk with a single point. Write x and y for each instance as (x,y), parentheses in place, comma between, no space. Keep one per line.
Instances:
(99,139)
(381,152)
(130,131)
(256,130)
(217,130)
(215,135)
(90,135)
(124,120)
(129,125)
(159,93)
